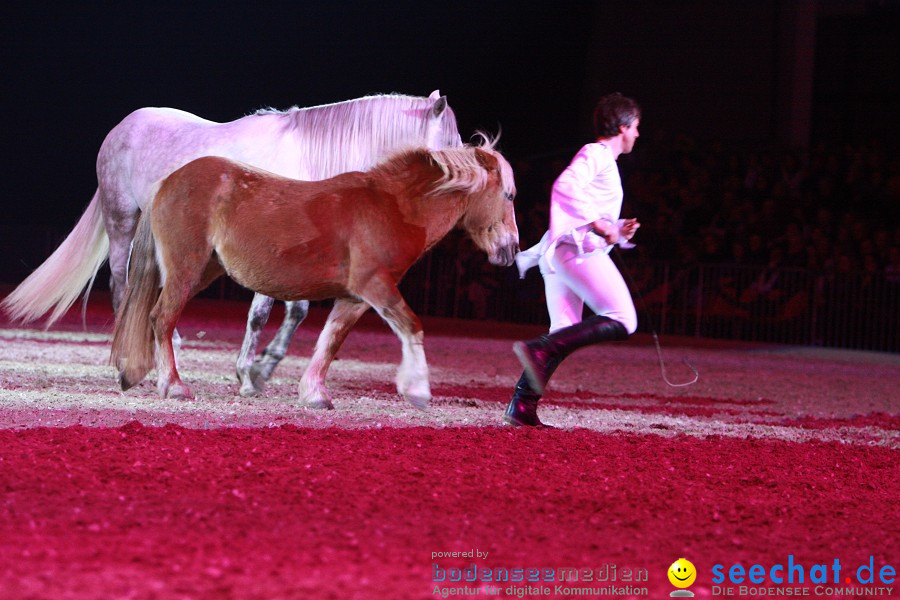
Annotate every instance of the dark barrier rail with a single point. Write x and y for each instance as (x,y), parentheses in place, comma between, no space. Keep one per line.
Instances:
(789,306)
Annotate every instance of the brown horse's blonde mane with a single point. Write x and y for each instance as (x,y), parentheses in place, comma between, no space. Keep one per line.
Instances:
(460,167)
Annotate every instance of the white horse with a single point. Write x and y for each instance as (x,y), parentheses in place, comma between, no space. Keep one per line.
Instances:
(301,143)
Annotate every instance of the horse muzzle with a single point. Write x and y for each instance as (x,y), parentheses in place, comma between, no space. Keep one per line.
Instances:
(505,255)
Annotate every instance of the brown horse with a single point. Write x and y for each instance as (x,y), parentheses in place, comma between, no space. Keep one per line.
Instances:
(351,238)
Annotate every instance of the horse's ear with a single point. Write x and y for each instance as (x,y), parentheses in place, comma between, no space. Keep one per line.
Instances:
(435,95)
(486,160)
(439,106)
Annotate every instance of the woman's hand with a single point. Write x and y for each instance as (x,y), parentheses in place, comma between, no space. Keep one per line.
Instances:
(606,229)
(629,228)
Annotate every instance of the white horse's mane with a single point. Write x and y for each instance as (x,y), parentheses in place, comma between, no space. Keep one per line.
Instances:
(341,136)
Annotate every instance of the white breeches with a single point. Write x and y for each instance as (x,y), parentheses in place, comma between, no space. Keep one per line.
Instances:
(580,279)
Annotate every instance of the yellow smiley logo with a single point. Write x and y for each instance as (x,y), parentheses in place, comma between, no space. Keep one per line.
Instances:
(682,573)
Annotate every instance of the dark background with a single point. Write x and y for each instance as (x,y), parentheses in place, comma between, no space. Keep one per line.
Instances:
(760,72)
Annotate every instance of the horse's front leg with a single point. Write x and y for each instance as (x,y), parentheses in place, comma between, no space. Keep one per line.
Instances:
(256,320)
(343,316)
(294,313)
(412,376)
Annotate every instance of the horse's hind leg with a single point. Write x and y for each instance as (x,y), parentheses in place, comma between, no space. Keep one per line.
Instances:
(343,316)
(294,313)
(412,376)
(120,219)
(253,376)
(256,320)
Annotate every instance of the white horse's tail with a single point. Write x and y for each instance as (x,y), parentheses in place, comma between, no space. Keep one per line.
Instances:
(57,283)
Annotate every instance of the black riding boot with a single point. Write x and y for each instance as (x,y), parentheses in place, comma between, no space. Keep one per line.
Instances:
(522,409)
(542,355)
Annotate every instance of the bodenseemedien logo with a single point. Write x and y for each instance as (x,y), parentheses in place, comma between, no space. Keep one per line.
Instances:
(682,574)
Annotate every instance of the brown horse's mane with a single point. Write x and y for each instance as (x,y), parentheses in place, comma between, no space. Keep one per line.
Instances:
(459,168)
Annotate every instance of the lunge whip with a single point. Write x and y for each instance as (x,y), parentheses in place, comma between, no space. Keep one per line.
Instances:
(662,364)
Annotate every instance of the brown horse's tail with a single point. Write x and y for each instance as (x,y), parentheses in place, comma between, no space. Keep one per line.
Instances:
(133,348)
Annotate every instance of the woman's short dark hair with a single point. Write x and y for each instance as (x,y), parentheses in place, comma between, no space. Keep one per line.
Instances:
(612,112)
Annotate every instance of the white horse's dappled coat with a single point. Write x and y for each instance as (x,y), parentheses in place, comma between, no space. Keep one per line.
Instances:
(302,143)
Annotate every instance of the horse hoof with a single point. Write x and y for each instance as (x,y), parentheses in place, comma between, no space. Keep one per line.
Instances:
(125,382)
(315,396)
(249,391)
(257,381)
(420,402)
(179,391)
(261,372)
(418,394)
(320,403)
